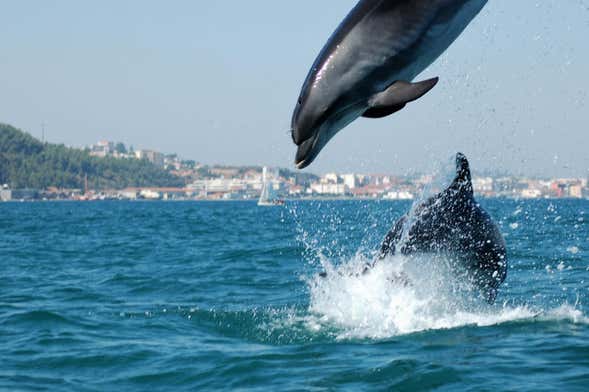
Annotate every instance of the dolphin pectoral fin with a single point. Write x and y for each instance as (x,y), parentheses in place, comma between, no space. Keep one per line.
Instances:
(380,112)
(396,96)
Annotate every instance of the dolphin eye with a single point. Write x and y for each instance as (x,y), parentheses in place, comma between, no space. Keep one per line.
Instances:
(300,101)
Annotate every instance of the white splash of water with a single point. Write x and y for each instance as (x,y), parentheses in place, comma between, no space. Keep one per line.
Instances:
(573,249)
(380,304)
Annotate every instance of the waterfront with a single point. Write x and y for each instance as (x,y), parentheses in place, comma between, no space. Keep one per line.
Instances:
(330,186)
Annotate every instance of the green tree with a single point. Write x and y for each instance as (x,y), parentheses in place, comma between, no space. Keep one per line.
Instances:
(120,148)
(25,162)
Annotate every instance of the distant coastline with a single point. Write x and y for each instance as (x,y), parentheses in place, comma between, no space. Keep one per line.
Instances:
(43,197)
(34,170)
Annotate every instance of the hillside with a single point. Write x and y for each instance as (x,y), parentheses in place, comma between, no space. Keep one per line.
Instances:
(25,162)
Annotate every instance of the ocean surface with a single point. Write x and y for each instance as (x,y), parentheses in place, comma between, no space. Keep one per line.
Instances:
(161,296)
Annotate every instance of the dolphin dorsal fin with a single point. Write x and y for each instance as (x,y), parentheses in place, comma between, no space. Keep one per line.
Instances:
(463,180)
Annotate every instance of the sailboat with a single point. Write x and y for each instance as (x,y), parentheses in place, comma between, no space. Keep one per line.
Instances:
(268,196)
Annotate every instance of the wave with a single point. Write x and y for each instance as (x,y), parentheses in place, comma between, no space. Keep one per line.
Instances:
(39,318)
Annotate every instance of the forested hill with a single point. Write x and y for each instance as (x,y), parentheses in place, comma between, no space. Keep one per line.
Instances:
(25,162)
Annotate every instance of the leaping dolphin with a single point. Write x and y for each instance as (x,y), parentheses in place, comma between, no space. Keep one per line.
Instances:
(452,223)
(367,65)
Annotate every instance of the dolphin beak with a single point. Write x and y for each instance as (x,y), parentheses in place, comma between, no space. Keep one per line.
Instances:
(304,155)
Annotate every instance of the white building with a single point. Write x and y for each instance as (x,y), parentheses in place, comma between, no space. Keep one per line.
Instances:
(150,194)
(349,180)
(219,185)
(5,193)
(328,189)
(576,191)
(102,149)
(400,195)
(482,185)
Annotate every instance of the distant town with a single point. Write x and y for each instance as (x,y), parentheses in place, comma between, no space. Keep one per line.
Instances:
(203,182)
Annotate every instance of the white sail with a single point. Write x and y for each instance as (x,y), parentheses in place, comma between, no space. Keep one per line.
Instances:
(267,196)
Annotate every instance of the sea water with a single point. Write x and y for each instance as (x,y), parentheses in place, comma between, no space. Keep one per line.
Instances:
(227,296)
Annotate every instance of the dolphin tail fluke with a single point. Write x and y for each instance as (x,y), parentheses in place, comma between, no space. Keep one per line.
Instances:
(396,96)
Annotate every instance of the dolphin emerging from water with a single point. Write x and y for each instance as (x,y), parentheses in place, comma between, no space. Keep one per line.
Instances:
(367,66)
(453,224)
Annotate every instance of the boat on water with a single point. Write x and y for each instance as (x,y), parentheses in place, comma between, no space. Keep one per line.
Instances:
(268,196)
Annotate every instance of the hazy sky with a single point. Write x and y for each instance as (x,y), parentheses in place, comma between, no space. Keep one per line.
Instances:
(216,81)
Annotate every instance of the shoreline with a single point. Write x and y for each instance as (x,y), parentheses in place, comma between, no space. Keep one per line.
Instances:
(288,200)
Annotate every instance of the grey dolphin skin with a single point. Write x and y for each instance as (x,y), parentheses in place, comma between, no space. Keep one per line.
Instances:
(452,223)
(367,66)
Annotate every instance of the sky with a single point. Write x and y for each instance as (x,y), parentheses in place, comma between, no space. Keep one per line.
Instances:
(216,81)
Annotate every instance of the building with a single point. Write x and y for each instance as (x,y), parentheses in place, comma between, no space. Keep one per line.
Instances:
(5,193)
(531,193)
(321,188)
(296,190)
(172,162)
(150,194)
(368,191)
(18,194)
(102,149)
(331,178)
(576,191)
(349,180)
(157,158)
(380,180)
(400,195)
(225,172)
(483,186)
(219,185)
